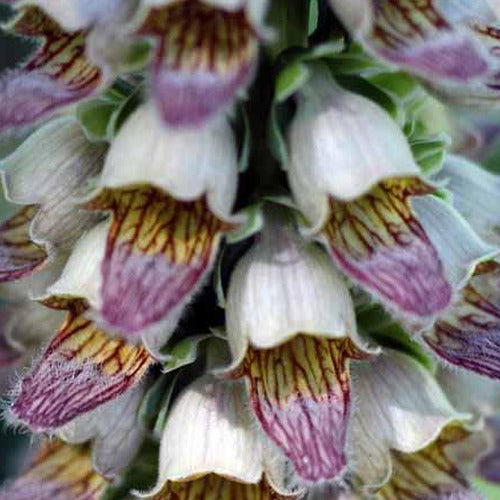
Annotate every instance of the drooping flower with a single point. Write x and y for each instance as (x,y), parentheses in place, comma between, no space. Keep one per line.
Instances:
(451,45)
(210,448)
(292,332)
(354,177)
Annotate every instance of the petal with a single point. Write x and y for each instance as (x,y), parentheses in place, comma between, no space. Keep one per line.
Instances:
(210,430)
(204,55)
(19,255)
(115,430)
(300,393)
(470,392)
(379,242)
(284,286)
(27,325)
(341,145)
(58,472)
(435,472)
(452,46)
(75,15)
(489,464)
(468,335)
(57,75)
(183,163)
(213,487)
(49,170)
(158,252)
(255,10)
(80,370)
(475,191)
(400,407)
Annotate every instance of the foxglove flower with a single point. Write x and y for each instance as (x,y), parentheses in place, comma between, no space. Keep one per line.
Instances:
(211,448)
(354,177)
(452,46)
(292,331)
(205,325)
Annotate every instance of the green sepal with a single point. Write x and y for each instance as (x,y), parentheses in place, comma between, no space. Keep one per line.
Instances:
(241,125)
(138,57)
(140,475)
(490,491)
(157,396)
(183,353)
(289,80)
(376,323)
(253,222)
(164,409)
(290,21)
(122,112)
(429,153)
(94,117)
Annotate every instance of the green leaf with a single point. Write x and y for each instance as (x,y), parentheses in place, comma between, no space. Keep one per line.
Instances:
(122,112)
(289,80)
(94,117)
(156,397)
(253,224)
(490,490)
(278,119)
(183,352)
(313,17)
(378,324)
(291,22)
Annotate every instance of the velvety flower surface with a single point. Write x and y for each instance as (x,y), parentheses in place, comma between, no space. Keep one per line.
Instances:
(250,249)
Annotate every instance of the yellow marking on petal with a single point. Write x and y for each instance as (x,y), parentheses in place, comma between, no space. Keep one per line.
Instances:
(198,37)
(148,222)
(213,487)
(398,22)
(81,341)
(60,470)
(61,55)
(429,472)
(379,242)
(385,208)
(19,255)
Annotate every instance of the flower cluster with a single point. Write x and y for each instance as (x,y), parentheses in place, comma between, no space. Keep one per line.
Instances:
(250,251)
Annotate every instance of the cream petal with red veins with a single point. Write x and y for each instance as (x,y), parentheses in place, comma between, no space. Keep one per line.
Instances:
(56,75)
(58,472)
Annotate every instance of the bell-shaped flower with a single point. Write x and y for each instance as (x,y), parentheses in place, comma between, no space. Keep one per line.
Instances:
(451,46)
(211,448)
(46,174)
(58,471)
(55,75)
(205,53)
(400,409)
(170,193)
(115,431)
(353,176)
(292,331)
(439,471)
(82,367)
